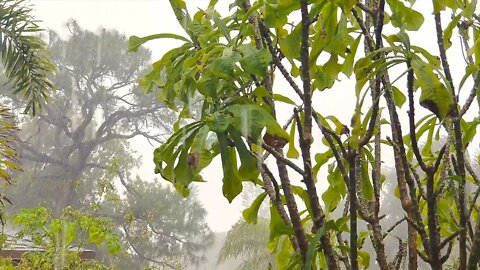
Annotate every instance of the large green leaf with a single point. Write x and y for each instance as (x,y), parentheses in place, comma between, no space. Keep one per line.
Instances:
(251,119)
(232,184)
(276,11)
(405,17)
(218,121)
(135,42)
(248,169)
(290,45)
(435,96)
(257,62)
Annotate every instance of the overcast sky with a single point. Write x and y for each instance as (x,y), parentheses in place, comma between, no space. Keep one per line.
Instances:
(145,17)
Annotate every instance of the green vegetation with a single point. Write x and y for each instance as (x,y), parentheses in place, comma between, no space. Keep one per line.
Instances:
(249,66)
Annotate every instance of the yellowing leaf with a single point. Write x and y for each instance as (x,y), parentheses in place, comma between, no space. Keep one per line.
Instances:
(435,96)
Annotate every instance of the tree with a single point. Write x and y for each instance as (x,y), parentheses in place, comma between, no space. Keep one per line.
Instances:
(76,153)
(27,68)
(248,243)
(229,63)
(57,242)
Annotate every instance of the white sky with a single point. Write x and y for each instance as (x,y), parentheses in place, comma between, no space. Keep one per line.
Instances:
(145,17)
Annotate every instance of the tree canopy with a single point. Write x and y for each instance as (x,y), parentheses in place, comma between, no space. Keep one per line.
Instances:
(260,71)
(76,154)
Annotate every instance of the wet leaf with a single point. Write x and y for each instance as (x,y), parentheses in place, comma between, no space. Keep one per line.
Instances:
(292,152)
(232,185)
(405,17)
(257,62)
(251,213)
(251,119)
(435,96)
(135,42)
(398,97)
(277,225)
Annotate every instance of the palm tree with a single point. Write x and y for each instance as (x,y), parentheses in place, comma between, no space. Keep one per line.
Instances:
(26,68)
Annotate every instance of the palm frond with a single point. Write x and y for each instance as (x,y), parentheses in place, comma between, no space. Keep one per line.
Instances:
(8,155)
(23,54)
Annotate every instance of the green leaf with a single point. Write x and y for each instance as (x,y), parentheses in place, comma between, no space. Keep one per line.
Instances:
(248,169)
(367,187)
(251,213)
(223,67)
(447,33)
(276,11)
(257,62)
(341,224)
(302,193)
(475,50)
(438,5)
(398,97)
(321,159)
(113,244)
(218,121)
(292,151)
(232,185)
(284,99)
(164,152)
(290,45)
(364,258)
(251,119)
(335,191)
(350,58)
(70,232)
(404,17)
(470,9)
(312,248)
(435,96)
(180,9)
(135,42)
(277,225)
(469,130)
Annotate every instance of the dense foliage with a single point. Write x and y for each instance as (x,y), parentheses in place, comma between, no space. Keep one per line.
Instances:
(249,67)
(56,243)
(76,154)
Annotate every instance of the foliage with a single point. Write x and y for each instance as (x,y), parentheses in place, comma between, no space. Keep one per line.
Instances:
(27,67)
(163,229)
(23,54)
(57,242)
(229,63)
(77,153)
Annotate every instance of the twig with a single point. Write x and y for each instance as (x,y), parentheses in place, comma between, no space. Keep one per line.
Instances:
(276,60)
(449,238)
(282,159)
(447,254)
(411,118)
(366,9)
(394,226)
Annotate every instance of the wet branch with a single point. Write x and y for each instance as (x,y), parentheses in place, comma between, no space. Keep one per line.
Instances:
(458,146)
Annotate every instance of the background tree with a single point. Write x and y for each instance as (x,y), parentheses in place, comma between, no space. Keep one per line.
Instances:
(248,242)
(229,62)
(77,154)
